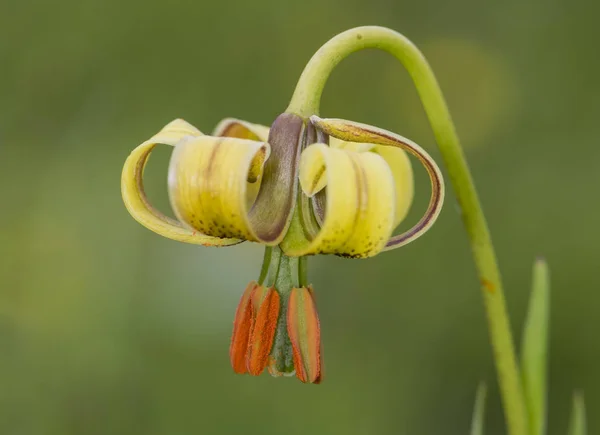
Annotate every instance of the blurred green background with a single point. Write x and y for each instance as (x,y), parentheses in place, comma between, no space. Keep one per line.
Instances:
(106,328)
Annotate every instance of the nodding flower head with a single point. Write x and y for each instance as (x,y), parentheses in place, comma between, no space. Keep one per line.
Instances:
(304,186)
(310,186)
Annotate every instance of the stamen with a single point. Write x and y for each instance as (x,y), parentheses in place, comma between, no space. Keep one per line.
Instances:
(263,331)
(242,326)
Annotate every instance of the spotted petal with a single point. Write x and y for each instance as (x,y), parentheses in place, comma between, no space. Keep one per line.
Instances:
(399,163)
(208,180)
(362,133)
(232,127)
(134,197)
(360,208)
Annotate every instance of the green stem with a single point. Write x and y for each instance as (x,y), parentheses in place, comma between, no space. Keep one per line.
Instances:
(274,262)
(266,264)
(303,271)
(305,102)
(282,271)
(287,275)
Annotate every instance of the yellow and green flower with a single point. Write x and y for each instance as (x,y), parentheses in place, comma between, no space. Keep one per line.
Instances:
(302,187)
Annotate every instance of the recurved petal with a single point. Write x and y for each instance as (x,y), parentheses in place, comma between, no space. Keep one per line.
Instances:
(208,184)
(363,133)
(334,142)
(272,212)
(399,163)
(134,197)
(360,206)
(404,182)
(305,334)
(242,326)
(231,127)
(341,145)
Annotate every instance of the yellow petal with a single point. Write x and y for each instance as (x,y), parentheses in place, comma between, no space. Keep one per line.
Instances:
(362,133)
(208,180)
(318,170)
(132,189)
(334,142)
(359,215)
(231,127)
(398,162)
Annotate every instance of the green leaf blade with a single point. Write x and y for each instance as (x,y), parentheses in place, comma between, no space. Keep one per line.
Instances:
(534,350)
(578,426)
(477,423)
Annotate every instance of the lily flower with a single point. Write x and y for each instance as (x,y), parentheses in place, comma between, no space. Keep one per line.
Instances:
(302,187)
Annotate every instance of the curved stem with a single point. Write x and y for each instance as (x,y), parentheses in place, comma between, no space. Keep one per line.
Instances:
(305,102)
